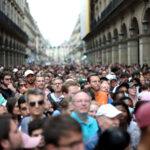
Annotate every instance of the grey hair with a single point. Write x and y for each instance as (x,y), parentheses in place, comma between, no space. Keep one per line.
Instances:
(33,92)
(81,91)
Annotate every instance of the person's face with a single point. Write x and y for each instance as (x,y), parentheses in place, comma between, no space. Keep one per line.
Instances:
(114,83)
(132,91)
(40,82)
(124,116)
(129,103)
(16,110)
(15,138)
(106,123)
(24,109)
(95,82)
(142,80)
(73,89)
(30,79)
(119,95)
(72,141)
(36,133)
(104,87)
(123,88)
(22,84)
(57,85)
(36,105)
(47,80)
(104,73)
(93,110)
(7,80)
(81,103)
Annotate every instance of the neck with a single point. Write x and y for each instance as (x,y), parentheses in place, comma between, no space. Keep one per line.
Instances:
(37,117)
(144,144)
(83,117)
(58,94)
(31,85)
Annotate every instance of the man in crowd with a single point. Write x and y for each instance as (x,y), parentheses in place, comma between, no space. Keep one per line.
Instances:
(70,87)
(56,96)
(40,82)
(63,132)
(94,82)
(81,102)
(108,116)
(6,88)
(30,79)
(35,100)
(10,136)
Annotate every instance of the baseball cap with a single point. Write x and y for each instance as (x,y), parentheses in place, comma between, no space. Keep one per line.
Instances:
(142,115)
(108,110)
(131,84)
(15,70)
(27,72)
(30,142)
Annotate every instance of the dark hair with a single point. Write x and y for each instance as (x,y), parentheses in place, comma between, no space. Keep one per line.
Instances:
(34,92)
(5,73)
(91,75)
(117,103)
(113,139)
(65,102)
(90,92)
(21,100)
(35,124)
(11,104)
(5,128)
(59,126)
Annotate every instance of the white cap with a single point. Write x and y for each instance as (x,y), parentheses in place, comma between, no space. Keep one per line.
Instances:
(27,72)
(15,70)
(108,110)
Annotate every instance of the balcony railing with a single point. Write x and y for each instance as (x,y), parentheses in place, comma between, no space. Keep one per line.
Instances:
(109,9)
(11,25)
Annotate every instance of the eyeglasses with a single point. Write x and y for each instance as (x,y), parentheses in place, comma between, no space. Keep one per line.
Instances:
(40,102)
(81,101)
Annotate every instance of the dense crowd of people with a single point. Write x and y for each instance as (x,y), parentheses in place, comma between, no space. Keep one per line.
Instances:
(93,107)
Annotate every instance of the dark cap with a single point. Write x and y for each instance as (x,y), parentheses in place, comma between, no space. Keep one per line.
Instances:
(123,75)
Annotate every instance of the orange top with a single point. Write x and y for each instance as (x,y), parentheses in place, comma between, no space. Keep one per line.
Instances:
(101,98)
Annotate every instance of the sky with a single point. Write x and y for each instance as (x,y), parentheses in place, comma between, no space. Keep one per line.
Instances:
(56,19)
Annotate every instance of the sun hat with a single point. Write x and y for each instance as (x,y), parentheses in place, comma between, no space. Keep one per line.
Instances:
(108,110)
(30,142)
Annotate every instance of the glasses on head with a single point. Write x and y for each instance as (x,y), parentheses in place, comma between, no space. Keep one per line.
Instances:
(40,102)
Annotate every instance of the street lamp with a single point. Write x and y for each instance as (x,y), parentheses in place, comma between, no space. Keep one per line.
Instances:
(145,25)
(131,29)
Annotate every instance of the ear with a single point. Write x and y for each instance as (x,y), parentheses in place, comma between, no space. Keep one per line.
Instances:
(51,147)
(5,144)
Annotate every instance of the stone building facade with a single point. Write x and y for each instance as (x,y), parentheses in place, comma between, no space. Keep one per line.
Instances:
(13,39)
(119,32)
(76,49)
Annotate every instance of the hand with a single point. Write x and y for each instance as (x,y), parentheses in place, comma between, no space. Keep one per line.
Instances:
(11,87)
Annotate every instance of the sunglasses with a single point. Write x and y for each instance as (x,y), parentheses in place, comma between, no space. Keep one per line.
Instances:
(40,102)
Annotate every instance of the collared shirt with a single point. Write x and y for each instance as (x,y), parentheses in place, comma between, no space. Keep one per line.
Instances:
(89,129)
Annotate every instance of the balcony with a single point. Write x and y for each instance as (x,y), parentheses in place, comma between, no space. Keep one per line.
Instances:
(12,27)
(109,9)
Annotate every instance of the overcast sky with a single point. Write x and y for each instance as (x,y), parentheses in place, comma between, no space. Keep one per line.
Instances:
(55,18)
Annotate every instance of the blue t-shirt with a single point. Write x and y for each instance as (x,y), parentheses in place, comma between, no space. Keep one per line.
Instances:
(88,130)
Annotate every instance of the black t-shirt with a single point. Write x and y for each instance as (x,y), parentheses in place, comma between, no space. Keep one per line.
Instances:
(7,93)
